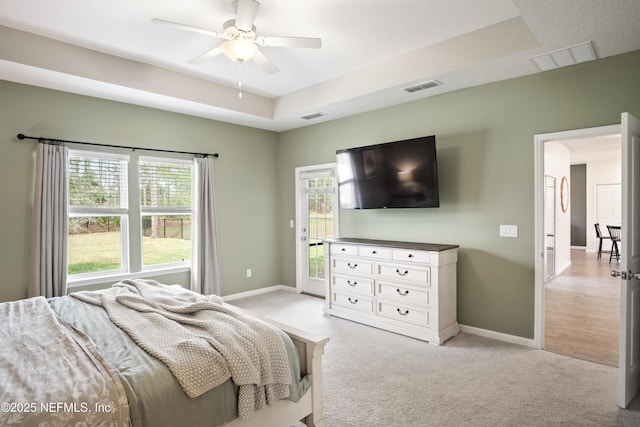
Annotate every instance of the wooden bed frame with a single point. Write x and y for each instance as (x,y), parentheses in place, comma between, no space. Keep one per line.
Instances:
(308,409)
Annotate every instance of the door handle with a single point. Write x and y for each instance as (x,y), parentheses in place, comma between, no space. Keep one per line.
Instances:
(620,274)
(624,275)
(631,275)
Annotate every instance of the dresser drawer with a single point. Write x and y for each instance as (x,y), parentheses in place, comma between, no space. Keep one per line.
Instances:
(405,313)
(360,285)
(416,274)
(374,252)
(352,266)
(411,255)
(343,249)
(403,293)
(353,302)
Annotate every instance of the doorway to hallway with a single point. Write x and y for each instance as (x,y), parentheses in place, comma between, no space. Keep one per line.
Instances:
(629,269)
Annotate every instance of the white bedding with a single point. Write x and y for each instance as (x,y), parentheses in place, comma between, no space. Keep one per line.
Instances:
(52,374)
(202,341)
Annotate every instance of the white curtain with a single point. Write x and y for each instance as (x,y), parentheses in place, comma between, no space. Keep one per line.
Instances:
(205,268)
(48,267)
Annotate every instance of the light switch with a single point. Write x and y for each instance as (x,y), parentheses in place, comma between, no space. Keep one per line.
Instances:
(508,230)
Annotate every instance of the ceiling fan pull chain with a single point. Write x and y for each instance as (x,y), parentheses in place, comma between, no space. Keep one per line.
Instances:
(239,80)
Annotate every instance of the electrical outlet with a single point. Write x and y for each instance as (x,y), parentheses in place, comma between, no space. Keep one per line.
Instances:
(291,223)
(248,272)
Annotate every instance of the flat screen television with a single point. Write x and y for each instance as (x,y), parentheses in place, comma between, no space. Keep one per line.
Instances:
(400,174)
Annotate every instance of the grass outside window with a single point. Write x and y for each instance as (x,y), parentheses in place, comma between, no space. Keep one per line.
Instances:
(92,252)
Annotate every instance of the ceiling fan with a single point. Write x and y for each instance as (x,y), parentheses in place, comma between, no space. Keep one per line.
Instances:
(242,42)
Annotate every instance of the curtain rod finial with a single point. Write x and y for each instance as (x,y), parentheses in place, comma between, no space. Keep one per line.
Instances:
(21,136)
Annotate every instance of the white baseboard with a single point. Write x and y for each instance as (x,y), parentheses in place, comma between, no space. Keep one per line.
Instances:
(563,268)
(527,342)
(258,292)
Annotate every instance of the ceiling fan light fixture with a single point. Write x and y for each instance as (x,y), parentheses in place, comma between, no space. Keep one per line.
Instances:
(239,50)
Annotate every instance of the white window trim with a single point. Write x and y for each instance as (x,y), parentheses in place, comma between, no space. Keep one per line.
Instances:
(131,240)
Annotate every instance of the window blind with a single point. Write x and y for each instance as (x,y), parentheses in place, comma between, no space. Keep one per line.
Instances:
(97,182)
(165,185)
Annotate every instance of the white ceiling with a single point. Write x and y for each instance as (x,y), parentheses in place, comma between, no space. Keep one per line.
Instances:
(600,148)
(371,49)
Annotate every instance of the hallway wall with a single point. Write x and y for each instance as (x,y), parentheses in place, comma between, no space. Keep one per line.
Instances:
(578,200)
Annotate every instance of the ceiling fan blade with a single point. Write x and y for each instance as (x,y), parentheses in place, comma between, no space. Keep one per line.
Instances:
(187,27)
(304,42)
(264,63)
(247,10)
(206,56)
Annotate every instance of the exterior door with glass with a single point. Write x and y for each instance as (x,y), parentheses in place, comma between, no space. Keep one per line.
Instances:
(316,197)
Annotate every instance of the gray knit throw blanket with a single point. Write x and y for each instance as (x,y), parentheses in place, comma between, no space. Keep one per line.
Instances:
(202,341)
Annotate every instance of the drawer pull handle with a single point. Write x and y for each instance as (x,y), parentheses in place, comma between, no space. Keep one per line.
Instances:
(374,252)
(410,256)
(401,273)
(343,249)
(401,313)
(406,292)
(352,266)
(355,301)
(351,283)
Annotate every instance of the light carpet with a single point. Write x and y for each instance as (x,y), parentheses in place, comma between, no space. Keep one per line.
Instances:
(378,378)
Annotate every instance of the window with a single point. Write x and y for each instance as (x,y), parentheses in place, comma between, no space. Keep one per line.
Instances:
(127,214)
(98,214)
(319,193)
(165,203)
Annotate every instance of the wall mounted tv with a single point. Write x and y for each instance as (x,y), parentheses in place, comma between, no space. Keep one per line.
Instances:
(400,174)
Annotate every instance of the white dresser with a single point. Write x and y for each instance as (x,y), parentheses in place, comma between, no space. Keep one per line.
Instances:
(407,288)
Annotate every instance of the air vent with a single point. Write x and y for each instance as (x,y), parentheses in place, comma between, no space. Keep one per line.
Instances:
(422,86)
(312,116)
(564,57)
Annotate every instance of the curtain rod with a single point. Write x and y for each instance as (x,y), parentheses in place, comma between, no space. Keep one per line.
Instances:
(44,140)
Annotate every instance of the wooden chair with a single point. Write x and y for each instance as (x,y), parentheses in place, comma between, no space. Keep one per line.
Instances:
(614,232)
(600,238)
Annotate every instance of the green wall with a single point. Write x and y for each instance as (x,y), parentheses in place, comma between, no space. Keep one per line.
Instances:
(486,169)
(485,159)
(245,176)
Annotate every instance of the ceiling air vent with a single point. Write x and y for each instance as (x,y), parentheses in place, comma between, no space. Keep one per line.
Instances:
(422,86)
(564,57)
(312,116)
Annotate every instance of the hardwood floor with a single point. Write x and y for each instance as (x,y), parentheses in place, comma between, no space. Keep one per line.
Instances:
(582,307)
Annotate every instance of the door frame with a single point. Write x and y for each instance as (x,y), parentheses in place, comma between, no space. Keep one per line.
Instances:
(539,242)
(553,212)
(300,264)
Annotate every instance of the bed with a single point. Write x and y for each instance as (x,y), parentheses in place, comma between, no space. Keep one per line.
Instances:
(145,354)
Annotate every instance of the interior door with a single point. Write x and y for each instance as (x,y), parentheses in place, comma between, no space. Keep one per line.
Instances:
(629,365)
(317,220)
